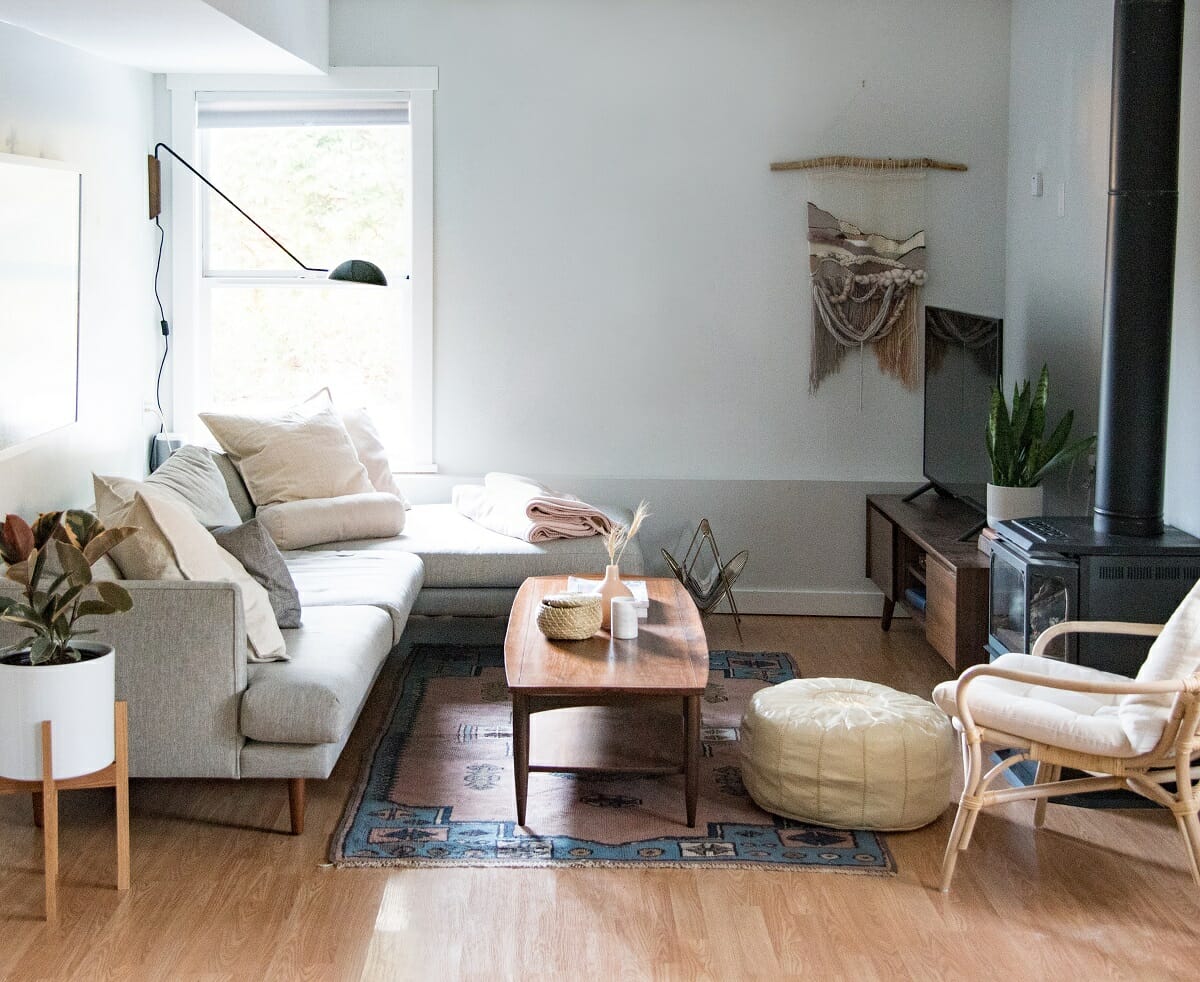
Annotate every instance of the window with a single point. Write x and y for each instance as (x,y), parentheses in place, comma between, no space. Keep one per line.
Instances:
(333,176)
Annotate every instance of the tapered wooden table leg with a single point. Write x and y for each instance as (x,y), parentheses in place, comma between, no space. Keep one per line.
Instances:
(691,755)
(521,753)
(50,823)
(121,782)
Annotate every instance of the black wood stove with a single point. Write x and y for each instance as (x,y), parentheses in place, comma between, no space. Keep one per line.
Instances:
(1122,563)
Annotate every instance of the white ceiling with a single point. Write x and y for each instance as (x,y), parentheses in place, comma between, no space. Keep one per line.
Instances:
(166,36)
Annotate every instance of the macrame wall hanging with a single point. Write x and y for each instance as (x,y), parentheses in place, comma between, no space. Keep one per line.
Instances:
(866,291)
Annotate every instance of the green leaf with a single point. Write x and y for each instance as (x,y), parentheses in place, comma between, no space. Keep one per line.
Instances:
(39,565)
(78,570)
(82,526)
(103,543)
(41,651)
(19,572)
(44,526)
(115,595)
(1058,439)
(998,423)
(89,608)
(6,602)
(31,623)
(62,602)
(1065,456)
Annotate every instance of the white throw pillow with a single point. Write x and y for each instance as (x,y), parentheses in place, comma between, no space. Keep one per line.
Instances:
(189,476)
(1175,654)
(291,457)
(298,524)
(172,545)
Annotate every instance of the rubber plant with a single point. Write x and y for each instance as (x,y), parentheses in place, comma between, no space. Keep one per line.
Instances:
(51,614)
(1017,445)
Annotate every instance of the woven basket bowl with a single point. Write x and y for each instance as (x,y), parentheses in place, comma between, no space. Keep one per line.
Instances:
(570,616)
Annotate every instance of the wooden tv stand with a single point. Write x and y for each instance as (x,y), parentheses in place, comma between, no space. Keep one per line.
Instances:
(914,545)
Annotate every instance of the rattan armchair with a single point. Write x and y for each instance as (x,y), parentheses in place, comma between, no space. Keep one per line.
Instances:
(1095,747)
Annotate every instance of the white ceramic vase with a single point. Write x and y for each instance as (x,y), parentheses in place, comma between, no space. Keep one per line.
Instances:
(76,698)
(1004,503)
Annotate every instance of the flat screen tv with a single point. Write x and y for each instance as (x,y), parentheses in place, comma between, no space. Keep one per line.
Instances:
(962,365)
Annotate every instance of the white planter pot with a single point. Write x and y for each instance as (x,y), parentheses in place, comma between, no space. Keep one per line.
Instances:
(1004,504)
(76,698)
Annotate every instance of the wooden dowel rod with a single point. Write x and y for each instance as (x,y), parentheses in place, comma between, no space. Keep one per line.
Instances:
(869,163)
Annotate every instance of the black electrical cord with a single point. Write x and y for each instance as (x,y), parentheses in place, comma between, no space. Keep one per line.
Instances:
(166,333)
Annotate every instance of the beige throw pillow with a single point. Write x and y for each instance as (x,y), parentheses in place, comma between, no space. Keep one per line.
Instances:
(172,545)
(291,457)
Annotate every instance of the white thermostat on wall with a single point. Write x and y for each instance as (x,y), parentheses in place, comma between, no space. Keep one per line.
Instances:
(1035,184)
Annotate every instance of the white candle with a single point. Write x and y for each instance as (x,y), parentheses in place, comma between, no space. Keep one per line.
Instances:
(624,618)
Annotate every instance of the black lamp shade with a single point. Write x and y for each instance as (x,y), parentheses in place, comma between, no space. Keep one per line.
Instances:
(359,271)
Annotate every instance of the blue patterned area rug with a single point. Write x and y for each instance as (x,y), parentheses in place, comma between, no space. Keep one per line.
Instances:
(437,789)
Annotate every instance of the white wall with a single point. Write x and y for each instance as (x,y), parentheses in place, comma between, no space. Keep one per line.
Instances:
(1059,124)
(62,104)
(621,283)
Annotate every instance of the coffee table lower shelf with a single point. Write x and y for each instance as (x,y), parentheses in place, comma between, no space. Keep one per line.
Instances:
(607,734)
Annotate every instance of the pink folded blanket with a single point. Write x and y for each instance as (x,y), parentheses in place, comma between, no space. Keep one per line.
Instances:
(524,509)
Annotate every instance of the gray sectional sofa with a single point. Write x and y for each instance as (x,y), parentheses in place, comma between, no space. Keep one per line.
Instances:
(198,708)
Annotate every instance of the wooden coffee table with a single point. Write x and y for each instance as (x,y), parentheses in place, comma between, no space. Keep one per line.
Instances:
(584,691)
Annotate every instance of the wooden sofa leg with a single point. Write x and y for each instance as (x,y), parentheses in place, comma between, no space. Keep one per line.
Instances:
(296,801)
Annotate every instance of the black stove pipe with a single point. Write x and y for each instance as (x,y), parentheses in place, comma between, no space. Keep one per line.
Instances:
(1143,201)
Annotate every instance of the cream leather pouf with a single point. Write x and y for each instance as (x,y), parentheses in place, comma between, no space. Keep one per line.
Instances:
(847,754)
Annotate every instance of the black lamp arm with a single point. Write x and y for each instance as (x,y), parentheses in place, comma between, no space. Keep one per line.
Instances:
(233,204)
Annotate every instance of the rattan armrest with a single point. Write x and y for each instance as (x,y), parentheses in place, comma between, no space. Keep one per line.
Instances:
(1093,627)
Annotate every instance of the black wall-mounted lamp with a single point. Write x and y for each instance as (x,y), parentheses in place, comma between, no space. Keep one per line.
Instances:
(351,271)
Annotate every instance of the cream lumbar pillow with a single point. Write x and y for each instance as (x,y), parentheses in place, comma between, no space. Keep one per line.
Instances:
(291,457)
(172,545)
(299,524)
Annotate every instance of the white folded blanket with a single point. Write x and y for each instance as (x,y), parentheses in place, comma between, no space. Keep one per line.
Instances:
(524,509)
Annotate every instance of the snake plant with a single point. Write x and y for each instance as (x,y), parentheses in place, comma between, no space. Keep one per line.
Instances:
(1017,446)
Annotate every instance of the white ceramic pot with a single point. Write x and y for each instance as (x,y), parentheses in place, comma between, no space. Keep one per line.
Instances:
(76,698)
(1004,504)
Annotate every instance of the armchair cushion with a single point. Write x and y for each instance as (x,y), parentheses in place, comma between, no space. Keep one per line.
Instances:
(1082,721)
(1175,654)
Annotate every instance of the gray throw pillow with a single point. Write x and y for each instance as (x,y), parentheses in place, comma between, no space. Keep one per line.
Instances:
(253,547)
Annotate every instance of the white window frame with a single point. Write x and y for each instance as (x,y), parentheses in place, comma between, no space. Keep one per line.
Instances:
(190,339)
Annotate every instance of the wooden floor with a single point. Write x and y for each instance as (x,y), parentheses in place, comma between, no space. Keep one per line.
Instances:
(218,893)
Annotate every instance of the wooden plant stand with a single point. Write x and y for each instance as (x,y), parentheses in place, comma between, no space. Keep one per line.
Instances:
(45,803)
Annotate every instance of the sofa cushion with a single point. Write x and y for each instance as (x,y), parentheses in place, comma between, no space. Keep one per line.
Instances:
(299,524)
(315,697)
(1175,654)
(1082,721)
(459,553)
(388,580)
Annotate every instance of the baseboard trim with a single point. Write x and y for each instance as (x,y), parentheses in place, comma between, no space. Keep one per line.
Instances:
(820,603)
